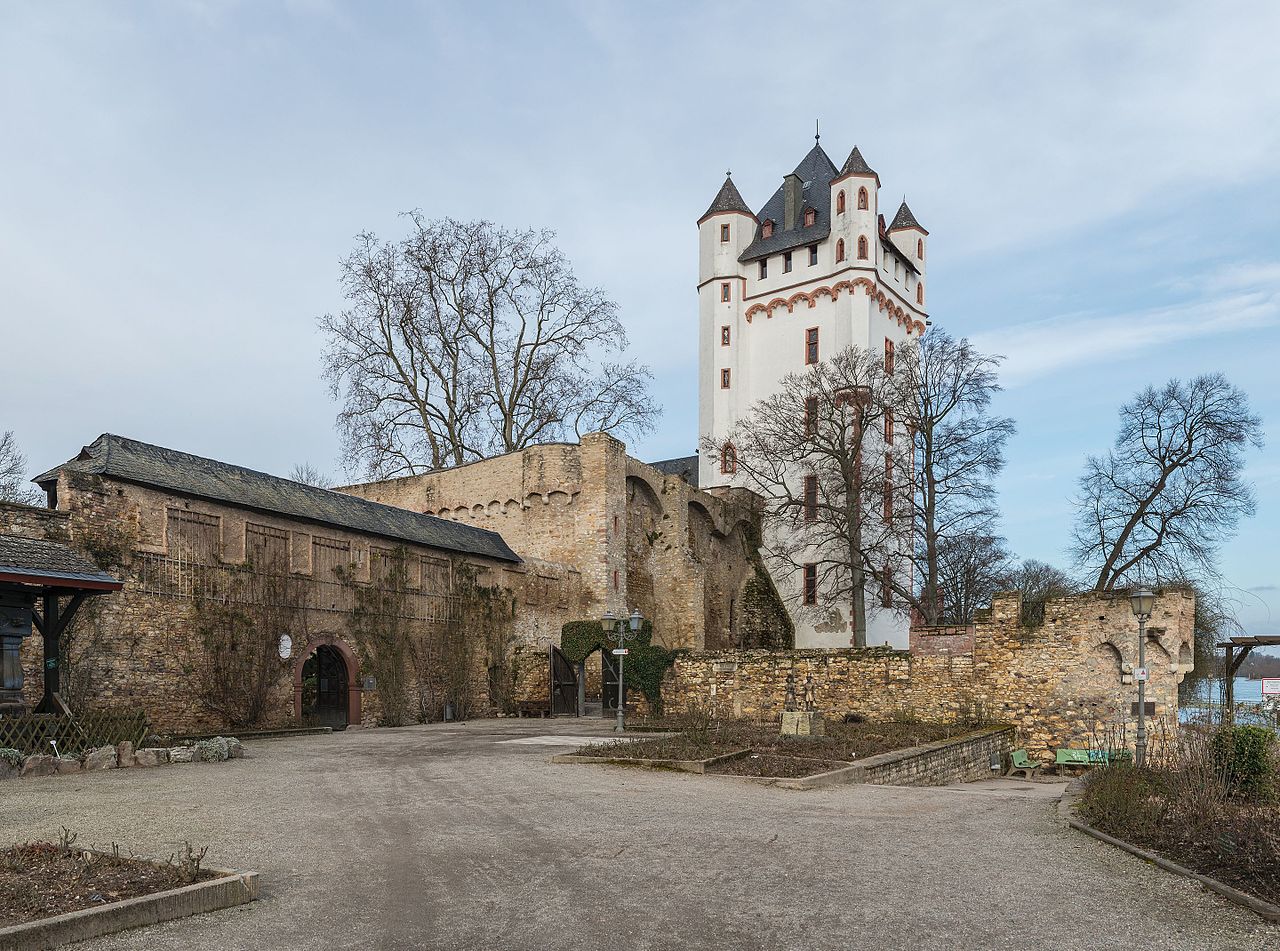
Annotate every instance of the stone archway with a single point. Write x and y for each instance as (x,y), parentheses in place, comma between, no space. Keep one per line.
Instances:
(334,648)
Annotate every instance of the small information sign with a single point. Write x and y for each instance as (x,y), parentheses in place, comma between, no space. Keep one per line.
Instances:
(1271,686)
(618,651)
(1140,673)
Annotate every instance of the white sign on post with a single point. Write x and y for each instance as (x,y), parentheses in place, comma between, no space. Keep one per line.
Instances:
(619,651)
(1140,673)
(1271,686)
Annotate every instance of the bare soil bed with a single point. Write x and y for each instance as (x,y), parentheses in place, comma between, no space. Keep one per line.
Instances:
(775,755)
(41,879)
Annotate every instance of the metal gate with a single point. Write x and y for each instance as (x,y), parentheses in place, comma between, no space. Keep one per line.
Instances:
(608,682)
(564,685)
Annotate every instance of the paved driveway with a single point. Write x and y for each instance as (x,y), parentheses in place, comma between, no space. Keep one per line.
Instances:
(464,836)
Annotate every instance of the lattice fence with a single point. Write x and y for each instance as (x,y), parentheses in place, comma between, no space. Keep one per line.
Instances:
(32,732)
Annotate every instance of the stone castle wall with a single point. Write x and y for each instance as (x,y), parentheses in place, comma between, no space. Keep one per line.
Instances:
(1062,682)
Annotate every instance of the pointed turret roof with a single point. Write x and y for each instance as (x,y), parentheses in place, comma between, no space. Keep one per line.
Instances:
(905,219)
(727,199)
(855,164)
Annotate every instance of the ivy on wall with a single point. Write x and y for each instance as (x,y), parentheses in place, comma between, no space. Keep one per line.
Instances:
(645,665)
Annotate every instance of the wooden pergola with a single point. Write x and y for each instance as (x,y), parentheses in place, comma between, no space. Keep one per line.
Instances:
(1238,649)
(42,586)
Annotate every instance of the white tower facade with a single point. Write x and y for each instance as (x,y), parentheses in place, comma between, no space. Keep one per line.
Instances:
(816,264)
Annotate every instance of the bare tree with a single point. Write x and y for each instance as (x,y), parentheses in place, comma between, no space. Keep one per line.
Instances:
(1156,507)
(971,567)
(1036,580)
(467,339)
(13,473)
(308,474)
(946,391)
(813,451)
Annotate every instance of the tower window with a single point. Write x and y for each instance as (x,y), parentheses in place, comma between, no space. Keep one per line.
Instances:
(888,425)
(786,262)
(811,583)
(728,459)
(886,590)
(840,203)
(810,415)
(920,248)
(862,199)
(811,345)
(724,336)
(813,255)
(888,355)
(724,291)
(862,248)
(764,268)
(724,378)
(840,250)
(919,293)
(724,232)
(811,498)
(810,216)
(766,230)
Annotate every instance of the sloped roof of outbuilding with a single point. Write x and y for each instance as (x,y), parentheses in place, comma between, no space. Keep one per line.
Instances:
(33,561)
(145,464)
(815,171)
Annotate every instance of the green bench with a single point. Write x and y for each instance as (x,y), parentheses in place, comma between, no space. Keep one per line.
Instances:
(1085,758)
(1019,762)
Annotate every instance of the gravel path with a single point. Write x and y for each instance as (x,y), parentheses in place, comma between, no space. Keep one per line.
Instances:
(465,837)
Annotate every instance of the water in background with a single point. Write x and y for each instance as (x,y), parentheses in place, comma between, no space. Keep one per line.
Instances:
(1248,693)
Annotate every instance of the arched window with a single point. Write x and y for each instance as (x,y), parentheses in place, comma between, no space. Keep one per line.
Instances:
(862,248)
(919,293)
(840,203)
(766,230)
(728,459)
(920,248)
(810,216)
(862,199)
(840,250)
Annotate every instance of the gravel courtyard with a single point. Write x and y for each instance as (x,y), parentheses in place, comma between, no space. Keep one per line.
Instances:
(465,837)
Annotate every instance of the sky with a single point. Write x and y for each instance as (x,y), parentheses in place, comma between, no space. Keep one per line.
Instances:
(179,180)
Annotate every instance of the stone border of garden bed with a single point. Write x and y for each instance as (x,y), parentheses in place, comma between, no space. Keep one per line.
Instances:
(229,889)
(897,766)
(683,765)
(1263,909)
(282,733)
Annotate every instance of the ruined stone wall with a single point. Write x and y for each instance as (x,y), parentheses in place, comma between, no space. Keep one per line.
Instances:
(1062,682)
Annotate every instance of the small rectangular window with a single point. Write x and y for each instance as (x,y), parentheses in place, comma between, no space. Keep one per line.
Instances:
(813,255)
(764,268)
(811,583)
(724,336)
(724,378)
(888,355)
(786,262)
(810,415)
(886,592)
(811,345)
(810,498)
(724,232)
(888,425)
(724,291)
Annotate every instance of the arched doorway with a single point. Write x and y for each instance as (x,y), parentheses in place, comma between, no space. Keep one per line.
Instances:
(326,684)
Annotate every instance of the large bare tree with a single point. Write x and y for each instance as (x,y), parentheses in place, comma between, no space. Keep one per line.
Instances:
(13,472)
(466,339)
(1157,506)
(946,392)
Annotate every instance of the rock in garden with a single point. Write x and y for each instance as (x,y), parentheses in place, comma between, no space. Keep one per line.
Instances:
(124,754)
(8,770)
(68,764)
(39,765)
(151,756)
(101,758)
(184,754)
(235,749)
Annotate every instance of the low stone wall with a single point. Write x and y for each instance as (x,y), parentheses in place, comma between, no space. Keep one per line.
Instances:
(960,760)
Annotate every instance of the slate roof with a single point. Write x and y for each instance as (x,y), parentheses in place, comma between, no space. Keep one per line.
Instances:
(727,199)
(816,170)
(33,561)
(855,164)
(187,474)
(905,219)
(686,467)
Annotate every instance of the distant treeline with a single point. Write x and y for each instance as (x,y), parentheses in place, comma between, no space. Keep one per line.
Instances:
(1258,665)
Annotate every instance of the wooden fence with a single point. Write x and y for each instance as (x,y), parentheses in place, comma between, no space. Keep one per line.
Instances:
(33,732)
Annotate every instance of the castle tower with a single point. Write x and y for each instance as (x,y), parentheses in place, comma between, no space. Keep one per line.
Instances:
(814,271)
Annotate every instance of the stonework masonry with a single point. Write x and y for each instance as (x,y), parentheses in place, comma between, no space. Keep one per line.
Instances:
(1062,682)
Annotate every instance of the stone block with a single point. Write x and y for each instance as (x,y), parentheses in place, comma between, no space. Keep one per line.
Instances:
(68,764)
(39,765)
(124,754)
(803,723)
(101,758)
(184,754)
(235,749)
(9,770)
(151,756)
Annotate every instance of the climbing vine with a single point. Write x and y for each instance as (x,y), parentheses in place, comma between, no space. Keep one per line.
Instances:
(646,663)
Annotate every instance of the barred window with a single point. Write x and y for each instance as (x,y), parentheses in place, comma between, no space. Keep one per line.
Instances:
(327,556)
(194,536)
(435,575)
(266,547)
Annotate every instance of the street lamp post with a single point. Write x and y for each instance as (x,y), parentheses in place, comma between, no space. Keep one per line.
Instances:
(1142,602)
(621,629)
